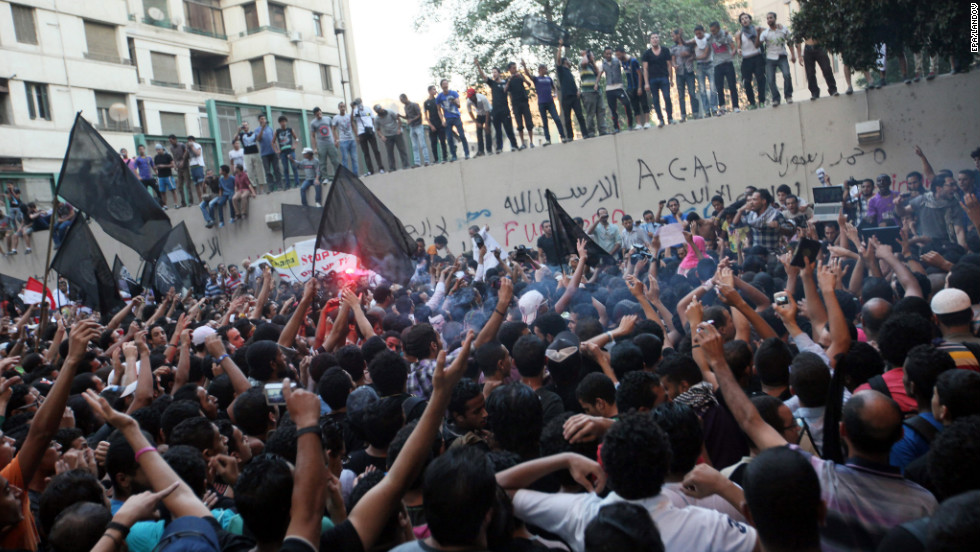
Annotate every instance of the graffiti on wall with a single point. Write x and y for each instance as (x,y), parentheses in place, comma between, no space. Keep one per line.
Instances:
(788,162)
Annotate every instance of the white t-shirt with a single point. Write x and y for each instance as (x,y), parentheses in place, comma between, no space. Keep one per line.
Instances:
(775,41)
(237,157)
(196,154)
(681,529)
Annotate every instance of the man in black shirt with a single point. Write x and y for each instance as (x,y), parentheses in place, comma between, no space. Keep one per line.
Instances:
(519,103)
(164,163)
(499,113)
(547,252)
(658,75)
(437,131)
(570,100)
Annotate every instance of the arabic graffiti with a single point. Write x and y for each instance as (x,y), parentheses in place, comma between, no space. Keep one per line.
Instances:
(473,215)
(426,229)
(680,171)
(703,195)
(786,163)
(515,232)
(212,244)
(533,201)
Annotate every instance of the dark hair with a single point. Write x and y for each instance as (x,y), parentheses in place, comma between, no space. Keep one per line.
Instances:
(636,457)
(772,361)
(509,333)
(768,408)
(861,362)
(78,527)
(282,118)
(765,195)
(334,387)
(251,412)
(349,358)
(463,392)
(381,420)
(678,368)
(923,365)
(515,416)
(596,386)
(900,334)
(959,392)
(871,436)
(263,494)
(389,373)
(955,525)
(810,379)
(966,276)
(65,489)
(683,429)
(458,492)
(282,442)
(175,413)
(120,458)
(189,465)
(953,457)
(418,340)
(738,355)
(625,358)
(651,347)
(489,355)
(198,432)
(529,355)
(784,188)
(636,391)
(783,494)
(550,323)
(623,527)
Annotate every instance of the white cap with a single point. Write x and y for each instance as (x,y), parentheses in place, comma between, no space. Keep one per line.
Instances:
(200,334)
(307,150)
(949,301)
(529,303)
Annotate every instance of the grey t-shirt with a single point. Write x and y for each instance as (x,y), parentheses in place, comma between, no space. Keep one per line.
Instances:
(937,217)
(388,123)
(722,45)
(343,126)
(614,73)
(321,128)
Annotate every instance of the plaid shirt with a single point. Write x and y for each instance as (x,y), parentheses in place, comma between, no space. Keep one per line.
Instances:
(762,234)
(420,378)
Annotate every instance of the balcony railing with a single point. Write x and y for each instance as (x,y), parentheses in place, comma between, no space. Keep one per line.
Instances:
(211,89)
(269,28)
(166,84)
(286,85)
(162,23)
(118,127)
(202,32)
(107,58)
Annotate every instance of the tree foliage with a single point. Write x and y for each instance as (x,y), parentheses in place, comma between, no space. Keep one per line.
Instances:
(491,29)
(855,28)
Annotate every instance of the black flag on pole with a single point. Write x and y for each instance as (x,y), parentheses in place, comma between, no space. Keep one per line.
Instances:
(97,182)
(596,15)
(567,233)
(175,264)
(80,261)
(300,220)
(128,286)
(355,221)
(10,287)
(538,31)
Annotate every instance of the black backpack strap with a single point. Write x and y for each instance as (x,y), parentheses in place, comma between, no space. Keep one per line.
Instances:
(878,384)
(922,426)
(973,348)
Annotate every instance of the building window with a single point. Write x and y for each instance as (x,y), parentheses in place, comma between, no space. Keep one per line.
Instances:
(204,16)
(24,27)
(284,72)
(251,16)
(164,68)
(5,107)
(326,80)
(37,101)
(173,123)
(101,42)
(277,16)
(258,72)
(113,111)
(317,25)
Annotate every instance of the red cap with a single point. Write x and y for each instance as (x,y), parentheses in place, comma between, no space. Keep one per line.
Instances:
(470,92)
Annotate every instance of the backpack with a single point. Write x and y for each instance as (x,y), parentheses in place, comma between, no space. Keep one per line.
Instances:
(922,426)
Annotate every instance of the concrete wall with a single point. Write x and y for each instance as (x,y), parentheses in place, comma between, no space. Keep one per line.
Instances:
(630,172)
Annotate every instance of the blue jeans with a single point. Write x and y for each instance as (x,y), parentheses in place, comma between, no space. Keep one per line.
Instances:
(783,64)
(59,231)
(420,150)
(206,211)
(708,98)
(272,175)
(306,186)
(548,108)
(456,123)
(219,203)
(197,173)
(687,81)
(348,152)
(284,157)
(661,85)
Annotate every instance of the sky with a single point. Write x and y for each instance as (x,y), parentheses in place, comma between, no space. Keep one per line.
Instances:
(392,57)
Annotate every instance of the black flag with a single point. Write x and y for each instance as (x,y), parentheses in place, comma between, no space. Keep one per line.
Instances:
(97,182)
(537,31)
(10,287)
(128,286)
(567,233)
(80,261)
(300,220)
(355,221)
(597,15)
(175,264)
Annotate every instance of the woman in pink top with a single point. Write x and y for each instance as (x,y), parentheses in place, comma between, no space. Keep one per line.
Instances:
(695,248)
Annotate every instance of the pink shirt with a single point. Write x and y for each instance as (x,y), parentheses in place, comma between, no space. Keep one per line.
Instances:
(692,258)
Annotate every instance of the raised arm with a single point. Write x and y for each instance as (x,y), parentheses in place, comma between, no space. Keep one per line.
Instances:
(122,314)
(264,293)
(310,479)
(288,335)
(927,171)
(216,348)
(490,329)
(727,291)
(840,337)
(354,304)
(902,272)
(143,395)
(572,287)
(483,76)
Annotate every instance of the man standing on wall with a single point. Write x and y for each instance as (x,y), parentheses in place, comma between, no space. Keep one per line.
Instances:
(413,116)
(658,77)
(344,137)
(544,87)
(266,140)
(722,49)
(437,132)
(570,97)
(194,154)
(178,152)
(753,62)
(390,131)
(482,120)
(448,100)
(778,43)
(683,54)
(519,103)
(253,161)
(165,181)
(326,141)
(499,112)
(365,135)
(613,69)
(144,171)
(633,80)
(595,113)
(286,140)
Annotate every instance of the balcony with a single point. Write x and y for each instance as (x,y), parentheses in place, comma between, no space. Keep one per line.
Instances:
(107,58)
(162,23)
(118,127)
(211,89)
(164,84)
(201,32)
(269,28)
(286,85)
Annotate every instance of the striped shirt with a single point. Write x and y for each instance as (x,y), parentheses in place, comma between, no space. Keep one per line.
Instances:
(865,500)
(962,356)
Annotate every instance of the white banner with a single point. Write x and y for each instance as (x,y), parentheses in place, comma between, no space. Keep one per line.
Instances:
(296,263)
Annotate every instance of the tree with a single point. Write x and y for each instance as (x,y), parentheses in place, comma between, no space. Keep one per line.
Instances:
(855,28)
(491,29)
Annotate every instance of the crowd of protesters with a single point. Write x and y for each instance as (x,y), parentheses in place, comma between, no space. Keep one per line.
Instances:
(710,396)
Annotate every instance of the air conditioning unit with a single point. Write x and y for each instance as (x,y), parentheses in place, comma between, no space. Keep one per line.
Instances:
(273,221)
(339,26)
(296,37)
(869,132)
(177,21)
